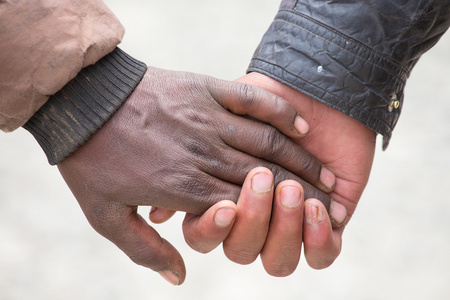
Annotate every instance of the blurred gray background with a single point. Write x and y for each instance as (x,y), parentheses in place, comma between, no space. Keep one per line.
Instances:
(396,246)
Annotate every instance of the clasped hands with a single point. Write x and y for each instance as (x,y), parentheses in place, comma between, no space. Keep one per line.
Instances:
(187,142)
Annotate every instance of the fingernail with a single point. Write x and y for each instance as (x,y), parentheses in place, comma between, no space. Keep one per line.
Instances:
(262,183)
(224,216)
(301,125)
(338,213)
(290,197)
(327,178)
(314,214)
(171,277)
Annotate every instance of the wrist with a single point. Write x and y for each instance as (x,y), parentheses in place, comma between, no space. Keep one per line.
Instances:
(81,107)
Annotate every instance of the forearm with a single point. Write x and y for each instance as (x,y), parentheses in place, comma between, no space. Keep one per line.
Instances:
(334,53)
(43,45)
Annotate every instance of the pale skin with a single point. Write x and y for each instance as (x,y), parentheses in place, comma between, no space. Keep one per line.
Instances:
(344,145)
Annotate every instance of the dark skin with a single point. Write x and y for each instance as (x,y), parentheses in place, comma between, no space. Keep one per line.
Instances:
(178,144)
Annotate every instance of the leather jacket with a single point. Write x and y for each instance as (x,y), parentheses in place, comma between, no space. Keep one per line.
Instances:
(354,56)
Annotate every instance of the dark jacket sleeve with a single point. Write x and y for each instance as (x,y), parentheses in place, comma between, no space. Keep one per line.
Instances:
(354,56)
(72,115)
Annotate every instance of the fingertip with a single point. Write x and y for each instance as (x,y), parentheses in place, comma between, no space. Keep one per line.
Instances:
(322,243)
(204,233)
(338,214)
(314,212)
(301,126)
(171,277)
(327,179)
(291,196)
(224,216)
(262,182)
(159,215)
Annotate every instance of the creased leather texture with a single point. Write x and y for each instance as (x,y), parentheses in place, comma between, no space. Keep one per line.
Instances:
(354,56)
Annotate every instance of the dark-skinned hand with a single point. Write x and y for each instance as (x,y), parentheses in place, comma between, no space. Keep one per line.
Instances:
(178,143)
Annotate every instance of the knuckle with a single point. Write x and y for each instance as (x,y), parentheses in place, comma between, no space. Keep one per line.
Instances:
(278,104)
(198,148)
(205,149)
(198,191)
(281,108)
(271,144)
(272,136)
(191,187)
(310,165)
(248,95)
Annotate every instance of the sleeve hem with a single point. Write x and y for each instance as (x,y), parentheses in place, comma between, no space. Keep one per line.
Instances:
(334,69)
(71,116)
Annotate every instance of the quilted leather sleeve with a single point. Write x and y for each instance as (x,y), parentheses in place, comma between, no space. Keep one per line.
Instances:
(354,56)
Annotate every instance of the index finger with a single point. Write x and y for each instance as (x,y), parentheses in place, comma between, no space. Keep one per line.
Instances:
(245,99)
(266,142)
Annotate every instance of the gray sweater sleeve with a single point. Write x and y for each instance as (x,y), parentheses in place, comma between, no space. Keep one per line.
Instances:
(354,56)
(80,108)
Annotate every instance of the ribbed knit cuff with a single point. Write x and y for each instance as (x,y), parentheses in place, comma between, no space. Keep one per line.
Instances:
(81,107)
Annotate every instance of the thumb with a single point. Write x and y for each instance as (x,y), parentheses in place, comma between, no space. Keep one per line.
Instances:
(131,233)
(204,233)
